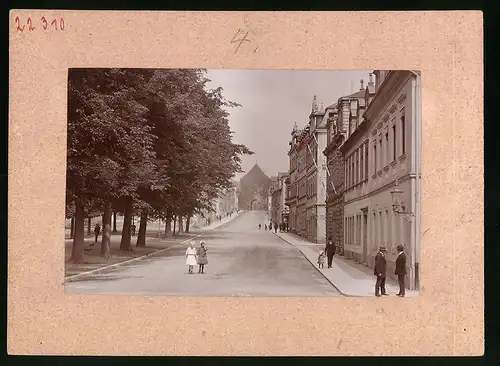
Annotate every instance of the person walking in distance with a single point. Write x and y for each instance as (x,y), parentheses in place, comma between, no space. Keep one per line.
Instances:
(400,270)
(97,231)
(330,251)
(202,257)
(265,227)
(275,227)
(260,226)
(380,271)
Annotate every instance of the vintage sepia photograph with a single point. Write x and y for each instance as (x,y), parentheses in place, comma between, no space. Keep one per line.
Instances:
(243,182)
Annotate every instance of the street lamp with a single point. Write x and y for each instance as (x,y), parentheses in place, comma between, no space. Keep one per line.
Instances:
(396,203)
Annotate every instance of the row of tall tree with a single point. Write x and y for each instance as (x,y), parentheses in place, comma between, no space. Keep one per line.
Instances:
(151,142)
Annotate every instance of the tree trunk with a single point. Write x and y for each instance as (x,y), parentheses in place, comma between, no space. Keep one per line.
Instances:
(141,237)
(106,232)
(181,229)
(114,222)
(79,239)
(188,220)
(127,223)
(168,224)
(72,228)
(89,233)
(175,224)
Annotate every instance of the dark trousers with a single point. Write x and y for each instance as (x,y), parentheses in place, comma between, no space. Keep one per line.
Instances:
(330,259)
(96,236)
(380,285)
(401,280)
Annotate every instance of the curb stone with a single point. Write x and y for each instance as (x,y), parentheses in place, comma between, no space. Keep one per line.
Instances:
(330,281)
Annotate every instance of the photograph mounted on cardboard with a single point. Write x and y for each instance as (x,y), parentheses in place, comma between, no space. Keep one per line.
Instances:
(238,182)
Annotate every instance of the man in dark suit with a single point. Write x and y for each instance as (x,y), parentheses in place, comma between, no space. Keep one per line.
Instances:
(330,251)
(400,270)
(380,271)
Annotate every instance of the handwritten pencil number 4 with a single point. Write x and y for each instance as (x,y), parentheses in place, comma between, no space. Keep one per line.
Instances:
(240,40)
(57,24)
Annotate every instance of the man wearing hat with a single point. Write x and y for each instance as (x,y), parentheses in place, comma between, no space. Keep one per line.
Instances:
(400,270)
(380,271)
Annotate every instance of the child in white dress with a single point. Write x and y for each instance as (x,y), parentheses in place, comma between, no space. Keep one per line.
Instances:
(191,257)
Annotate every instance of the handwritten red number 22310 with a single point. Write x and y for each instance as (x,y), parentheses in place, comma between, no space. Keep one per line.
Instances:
(56,23)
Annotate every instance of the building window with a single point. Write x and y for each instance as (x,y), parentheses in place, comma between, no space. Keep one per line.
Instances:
(387,229)
(394,139)
(353,170)
(357,167)
(349,173)
(380,154)
(374,229)
(381,225)
(345,173)
(366,161)
(375,157)
(359,229)
(362,163)
(386,148)
(403,133)
(345,231)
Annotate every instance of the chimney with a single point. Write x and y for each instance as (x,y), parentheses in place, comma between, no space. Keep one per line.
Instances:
(377,79)
(362,82)
(370,78)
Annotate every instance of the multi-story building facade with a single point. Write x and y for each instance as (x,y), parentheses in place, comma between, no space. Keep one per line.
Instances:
(291,198)
(306,196)
(380,149)
(278,193)
(341,116)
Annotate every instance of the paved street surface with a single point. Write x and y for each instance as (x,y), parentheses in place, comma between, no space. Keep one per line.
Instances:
(242,261)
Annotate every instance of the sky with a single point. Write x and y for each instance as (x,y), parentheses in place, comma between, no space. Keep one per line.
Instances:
(272,101)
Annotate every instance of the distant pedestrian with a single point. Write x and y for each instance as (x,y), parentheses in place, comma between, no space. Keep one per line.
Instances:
(202,257)
(265,227)
(260,226)
(321,259)
(286,227)
(133,230)
(400,270)
(191,257)
(275,227)
(330,251)
(380,271)
(97,231)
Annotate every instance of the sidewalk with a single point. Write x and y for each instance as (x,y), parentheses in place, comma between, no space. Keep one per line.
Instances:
(216,224)
(348,278)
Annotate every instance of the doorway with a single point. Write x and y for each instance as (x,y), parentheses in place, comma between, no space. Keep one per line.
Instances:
(365,231)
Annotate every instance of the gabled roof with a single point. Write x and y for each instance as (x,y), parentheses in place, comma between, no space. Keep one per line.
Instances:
(358,94)
(255,175)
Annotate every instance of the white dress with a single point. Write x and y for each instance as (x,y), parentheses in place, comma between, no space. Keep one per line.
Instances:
(191,257)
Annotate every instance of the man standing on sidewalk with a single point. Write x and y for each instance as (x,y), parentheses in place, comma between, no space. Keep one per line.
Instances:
(400,270)
(380,271)
(330,251)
